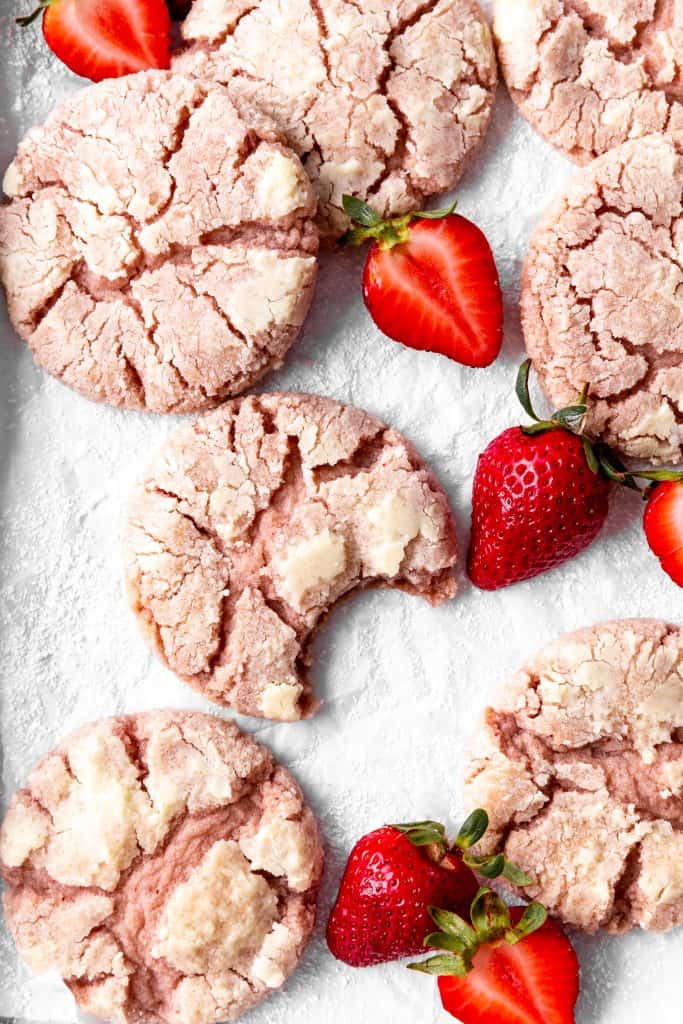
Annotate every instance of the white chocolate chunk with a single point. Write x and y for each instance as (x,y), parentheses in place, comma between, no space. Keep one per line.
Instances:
(312,563)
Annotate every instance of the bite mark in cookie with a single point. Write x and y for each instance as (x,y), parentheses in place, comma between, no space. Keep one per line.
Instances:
(159,250)
(580,763)
(602,298)
(380,99)
(165,866)
(592,74)
(255,520)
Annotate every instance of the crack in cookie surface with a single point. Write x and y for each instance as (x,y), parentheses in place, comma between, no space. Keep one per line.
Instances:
(382,99)
(602,298)
(165,866)
(255,520)
(141,275)
(592,74)
(580,763)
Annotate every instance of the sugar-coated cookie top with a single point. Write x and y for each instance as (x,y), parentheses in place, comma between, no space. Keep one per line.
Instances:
(386,99)
(579,761)
(254,520)
(602,297)
(164,865)
(159,249)
(591,74)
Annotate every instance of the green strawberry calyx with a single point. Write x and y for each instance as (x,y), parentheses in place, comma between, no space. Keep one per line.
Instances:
(432,835)
(458,940)
(600,458)
(369,225)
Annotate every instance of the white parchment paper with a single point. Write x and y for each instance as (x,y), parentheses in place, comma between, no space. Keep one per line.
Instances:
(402,683)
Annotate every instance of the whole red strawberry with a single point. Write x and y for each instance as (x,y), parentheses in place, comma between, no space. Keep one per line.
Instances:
(106,38)
(430,282)
(663,523)
(540,497)
(392,878)
(508,966)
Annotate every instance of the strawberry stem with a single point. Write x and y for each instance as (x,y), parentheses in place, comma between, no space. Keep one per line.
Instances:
(40,9)
(601,459)
(388,233)
(572,418)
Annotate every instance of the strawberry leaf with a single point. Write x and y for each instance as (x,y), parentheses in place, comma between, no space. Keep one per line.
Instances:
(472,830)
(534,917)
(522,389)
(356,236)
(451,943)
(387,233)
(452,924)
(542,427)
(424,833)
(490,923)
(613,468)
(571,418)
(659,476)
(490,866)
(444,212)
(515,874)
(360,212)
(591,457)
(490,916)
(442,965)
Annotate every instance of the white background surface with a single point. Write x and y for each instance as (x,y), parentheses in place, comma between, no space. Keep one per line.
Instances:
(402,683)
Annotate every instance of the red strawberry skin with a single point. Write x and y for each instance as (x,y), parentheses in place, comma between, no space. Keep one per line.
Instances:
(439,291)
(533,982)
(535,504)
(663,523)
(109,38)
(381,910)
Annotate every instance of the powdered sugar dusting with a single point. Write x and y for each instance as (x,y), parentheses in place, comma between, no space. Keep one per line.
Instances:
(403,683)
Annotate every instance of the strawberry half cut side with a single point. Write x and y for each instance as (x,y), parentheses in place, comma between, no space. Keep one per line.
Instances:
(430,282)
(100,39)
(663,524)
(504,966)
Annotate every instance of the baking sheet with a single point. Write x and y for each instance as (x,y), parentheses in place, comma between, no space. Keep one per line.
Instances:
(402,683)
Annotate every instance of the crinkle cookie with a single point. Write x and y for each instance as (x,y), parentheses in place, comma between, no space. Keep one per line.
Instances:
(253,521)
(591,74)
(158,251)
(579,761)
(602,297)
(165,866)
(386,99)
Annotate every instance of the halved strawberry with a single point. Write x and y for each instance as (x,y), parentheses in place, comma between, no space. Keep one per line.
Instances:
(508,967)
(431,282)
(106,38)
(663,523)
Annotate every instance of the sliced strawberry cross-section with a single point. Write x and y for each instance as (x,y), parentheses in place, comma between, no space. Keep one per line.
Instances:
(106,38)
(430,282)
(663,523)
(508,966)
